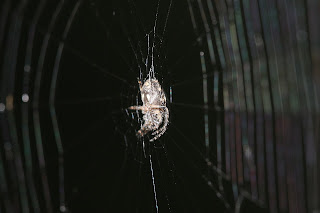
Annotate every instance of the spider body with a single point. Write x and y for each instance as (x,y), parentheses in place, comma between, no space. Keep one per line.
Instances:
(154,109)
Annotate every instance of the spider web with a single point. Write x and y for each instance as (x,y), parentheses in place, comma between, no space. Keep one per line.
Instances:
(242,91)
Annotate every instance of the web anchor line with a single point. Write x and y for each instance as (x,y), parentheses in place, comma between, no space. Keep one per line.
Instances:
(154,185)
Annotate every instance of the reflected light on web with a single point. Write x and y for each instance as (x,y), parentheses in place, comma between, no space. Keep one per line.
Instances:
(27,68)
(25,98)
(2,107)
(63,209)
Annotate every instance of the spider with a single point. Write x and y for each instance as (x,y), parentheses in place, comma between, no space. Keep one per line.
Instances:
(154,109)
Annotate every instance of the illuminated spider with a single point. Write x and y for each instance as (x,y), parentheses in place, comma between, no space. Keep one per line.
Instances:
(154,109)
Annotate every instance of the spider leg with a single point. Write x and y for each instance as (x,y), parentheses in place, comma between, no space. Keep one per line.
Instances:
(142,108)
(144,130)
(140,84)
(159,135)
(165,122)
(162,130)
(157,106)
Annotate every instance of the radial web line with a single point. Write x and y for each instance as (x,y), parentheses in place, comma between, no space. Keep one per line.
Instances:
(153,184)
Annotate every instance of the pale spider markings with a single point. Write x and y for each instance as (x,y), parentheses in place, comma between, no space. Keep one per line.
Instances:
(154,109)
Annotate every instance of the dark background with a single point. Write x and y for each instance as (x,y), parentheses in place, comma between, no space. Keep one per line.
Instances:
(106,167)
(72,146)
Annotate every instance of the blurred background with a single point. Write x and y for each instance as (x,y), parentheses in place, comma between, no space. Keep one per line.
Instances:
(242,81)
